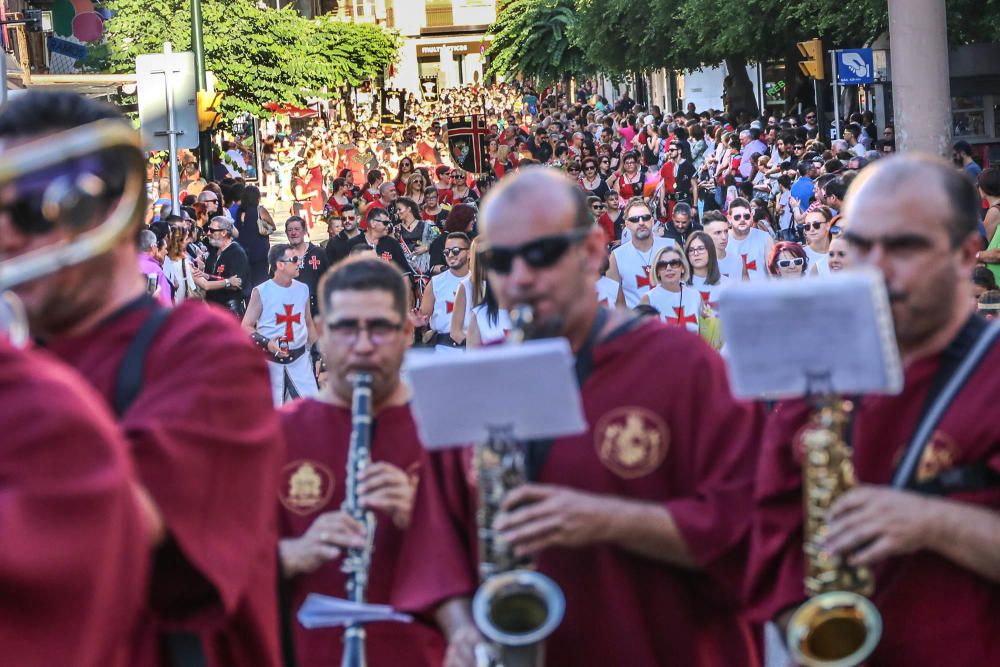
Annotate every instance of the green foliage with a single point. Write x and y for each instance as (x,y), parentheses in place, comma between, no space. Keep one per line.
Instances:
(536,39)
(257,55)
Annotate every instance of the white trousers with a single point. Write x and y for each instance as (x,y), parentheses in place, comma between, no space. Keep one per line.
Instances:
(294,380)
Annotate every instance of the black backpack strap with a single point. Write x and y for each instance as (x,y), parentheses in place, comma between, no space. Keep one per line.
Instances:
(971,478)
(130,373)
(185,649)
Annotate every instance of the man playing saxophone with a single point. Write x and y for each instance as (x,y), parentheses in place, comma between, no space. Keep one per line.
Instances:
(363,327)
(923,516)
(640,519)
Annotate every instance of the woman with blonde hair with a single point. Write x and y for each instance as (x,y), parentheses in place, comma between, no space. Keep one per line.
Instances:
(677,303)
(415,186)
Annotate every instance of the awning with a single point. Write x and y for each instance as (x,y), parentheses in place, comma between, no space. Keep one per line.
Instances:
(291,110)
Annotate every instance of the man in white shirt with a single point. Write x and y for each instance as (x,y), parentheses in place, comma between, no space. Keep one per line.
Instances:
(438,300)
(717,226)
(630,262)
(748,243)
(279,321)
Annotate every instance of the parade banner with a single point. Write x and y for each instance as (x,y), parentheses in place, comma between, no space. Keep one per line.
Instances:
(468,141)
(429,87)
(393,106)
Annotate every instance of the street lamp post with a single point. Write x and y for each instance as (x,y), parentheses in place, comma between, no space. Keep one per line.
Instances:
(201,83)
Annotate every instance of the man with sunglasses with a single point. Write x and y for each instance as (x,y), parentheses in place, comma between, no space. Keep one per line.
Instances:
(377,237)
(204,439)
(631,261)
(438,302)
(751,245)
(640,516)
(364,327)
(280,323)
(227,270)
(925,512)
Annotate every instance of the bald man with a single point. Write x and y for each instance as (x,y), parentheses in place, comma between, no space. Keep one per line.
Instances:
(640,520)
(933,547)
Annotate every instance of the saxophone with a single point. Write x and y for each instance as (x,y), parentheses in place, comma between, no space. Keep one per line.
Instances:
(357,563)
(838,626)
(515,608)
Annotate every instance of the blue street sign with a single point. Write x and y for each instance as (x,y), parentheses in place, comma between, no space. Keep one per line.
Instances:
(855,66)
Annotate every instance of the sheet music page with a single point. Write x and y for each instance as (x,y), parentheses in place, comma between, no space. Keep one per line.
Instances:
(529,387)
(781,333)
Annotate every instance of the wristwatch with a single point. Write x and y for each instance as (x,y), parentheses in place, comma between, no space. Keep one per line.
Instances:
(228,284)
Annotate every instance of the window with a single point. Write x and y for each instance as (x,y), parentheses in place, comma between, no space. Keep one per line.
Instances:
(968,116)
(364,9)
(439,13)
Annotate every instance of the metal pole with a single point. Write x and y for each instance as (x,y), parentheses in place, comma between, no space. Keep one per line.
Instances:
(175,179)
(834,75)
(3,70)
(201,84)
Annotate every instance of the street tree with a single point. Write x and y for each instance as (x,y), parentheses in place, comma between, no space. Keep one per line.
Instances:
(535,39)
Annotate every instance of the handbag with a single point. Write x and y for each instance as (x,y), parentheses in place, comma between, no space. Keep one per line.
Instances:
(264,227)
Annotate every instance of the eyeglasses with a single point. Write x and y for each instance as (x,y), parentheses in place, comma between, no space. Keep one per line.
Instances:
(590,168)
(538,254)
(789,263)
(813,225)
(347,332)
(800,148)
(743,216)
(213,200)
(457,176)
(697,250)
(599,207)
(646,217)
(811,116)
(288,260)
(454,252)
(212,230)
(670,264)
(384,221)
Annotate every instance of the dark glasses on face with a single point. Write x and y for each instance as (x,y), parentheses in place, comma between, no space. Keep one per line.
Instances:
(670,264)
(383,221)
(289,260)
(598,207)
(813,225)
(742,216)
(800,148)
(454,252)
(538,254)
(640,218)
(789,263)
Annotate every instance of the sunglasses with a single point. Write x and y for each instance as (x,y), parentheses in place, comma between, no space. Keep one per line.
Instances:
(789,263)
(384,221)
(454,252)
(288,260)
(599,207)
(670,264)
(538,254)
(213,200)
(810,117)
(590,168)
(800,148)
(212,230)
(640,218)
(813,225)
(743,216)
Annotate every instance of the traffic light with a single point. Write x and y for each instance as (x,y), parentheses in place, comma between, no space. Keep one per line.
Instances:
(813,52)
(209,110)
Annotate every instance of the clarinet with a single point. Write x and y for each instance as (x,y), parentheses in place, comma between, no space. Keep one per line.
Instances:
(357,562)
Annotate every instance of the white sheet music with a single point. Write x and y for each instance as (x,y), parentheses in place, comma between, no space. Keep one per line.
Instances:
(782,336)
(530,388)
(323,611)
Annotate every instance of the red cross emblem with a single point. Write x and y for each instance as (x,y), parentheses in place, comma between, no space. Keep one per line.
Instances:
(387,257)
(749,266)
(450,306)
(643,280)
(287,319)
(681,319)
(705,296)
(219,269)
(314,262)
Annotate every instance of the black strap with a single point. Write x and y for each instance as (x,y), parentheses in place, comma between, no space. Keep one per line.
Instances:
(130,373)
(185,649)
(969,478)
(537,451)
(286,613)
(958,362)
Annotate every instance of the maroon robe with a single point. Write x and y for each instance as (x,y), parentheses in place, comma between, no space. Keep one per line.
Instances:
(207,444)
(75,544)
(312,484)
(934,612)
(688,447)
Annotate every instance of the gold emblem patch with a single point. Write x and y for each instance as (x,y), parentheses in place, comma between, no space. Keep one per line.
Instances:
(938,456)
(308,486)
(631,441)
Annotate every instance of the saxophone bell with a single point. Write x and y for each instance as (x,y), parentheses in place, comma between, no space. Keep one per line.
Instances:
(517,611)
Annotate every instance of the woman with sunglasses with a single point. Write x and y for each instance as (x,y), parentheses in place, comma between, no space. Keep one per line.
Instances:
(787,260)
(677,306)
(591,180)
(816,229)
(415,188)
(403,175)
(632,178)
(604,165)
